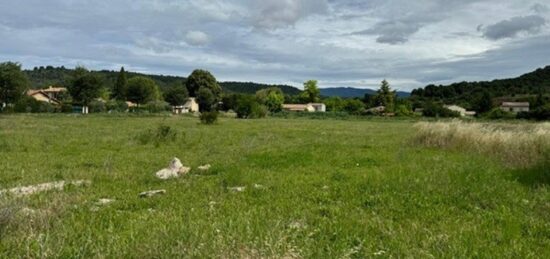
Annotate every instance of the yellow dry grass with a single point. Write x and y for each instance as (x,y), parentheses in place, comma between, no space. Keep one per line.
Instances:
(517,145)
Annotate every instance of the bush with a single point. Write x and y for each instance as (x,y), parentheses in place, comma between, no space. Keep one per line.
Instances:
(117,106)
(249,108)
(161,135)
(66,108)
(158,106)
(96,106)
(437,110)
(497,113)
(541,113)
(403,110)
(30,105)
(209,117)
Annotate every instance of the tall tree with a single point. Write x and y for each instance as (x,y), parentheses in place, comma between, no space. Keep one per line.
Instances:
(121,86)
(311,92)
(142,90)
(13,82)
(177,95)
(484,102)
(202,78)
(273,98)
(206,100)
(385,96)
(85,86)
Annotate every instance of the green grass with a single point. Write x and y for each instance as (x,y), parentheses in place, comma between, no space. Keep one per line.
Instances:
(333,189)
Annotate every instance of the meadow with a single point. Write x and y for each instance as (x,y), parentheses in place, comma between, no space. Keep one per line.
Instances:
(313,189)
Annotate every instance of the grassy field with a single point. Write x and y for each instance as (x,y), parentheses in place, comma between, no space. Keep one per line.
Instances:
(329,189)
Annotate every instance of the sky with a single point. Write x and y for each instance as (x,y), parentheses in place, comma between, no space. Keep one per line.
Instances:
(340,43)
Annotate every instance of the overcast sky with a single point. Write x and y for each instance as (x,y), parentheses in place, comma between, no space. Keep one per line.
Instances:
(353,43)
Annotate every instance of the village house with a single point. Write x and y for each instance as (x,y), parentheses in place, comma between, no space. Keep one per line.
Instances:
(190,106)
(462,111)
(515,107)
(50,95)
(310,107)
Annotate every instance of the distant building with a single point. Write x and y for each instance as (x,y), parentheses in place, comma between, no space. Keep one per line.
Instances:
(462,111)
(50,95)
(190,106)
(310,107)
(515,107)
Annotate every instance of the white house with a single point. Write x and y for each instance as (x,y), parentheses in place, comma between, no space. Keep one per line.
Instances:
(462,111)
(190,106)
(515,107)
(310,107)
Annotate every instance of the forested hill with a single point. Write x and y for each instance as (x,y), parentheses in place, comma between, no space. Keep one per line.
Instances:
(527,84)
(41,77)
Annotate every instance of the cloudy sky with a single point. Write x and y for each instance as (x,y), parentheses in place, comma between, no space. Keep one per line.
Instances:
(338,42)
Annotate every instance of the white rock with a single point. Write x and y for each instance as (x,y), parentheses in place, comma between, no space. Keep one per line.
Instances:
(32,189)
(237,189)
(204,167)
(259,186)
(175,169)
(151,193)
(104,201)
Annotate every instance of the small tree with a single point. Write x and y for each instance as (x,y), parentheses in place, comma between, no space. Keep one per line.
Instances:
(202,78)
(121,86)
(273,98)
(385,96)
(13,83)
(177,95)
(85,86)
(311,92)
(142,90)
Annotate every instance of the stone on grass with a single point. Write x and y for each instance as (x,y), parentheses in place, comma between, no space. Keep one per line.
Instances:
(175,169)
(259,186)
(237,189)
(148,194)
(104,201)
(32,189)
(204,167)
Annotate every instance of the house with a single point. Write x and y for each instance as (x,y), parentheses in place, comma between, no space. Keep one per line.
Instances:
(515,107)
(462,111)
(50,95)
(319,107)
(298,108)
(377,109)
(190,106)
(310,107)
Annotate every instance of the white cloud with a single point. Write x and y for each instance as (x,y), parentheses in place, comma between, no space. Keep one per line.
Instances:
(196,38)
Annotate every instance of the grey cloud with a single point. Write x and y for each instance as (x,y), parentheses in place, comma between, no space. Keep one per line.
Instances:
(392,32)
(540,8)
(275,14)
(514,26)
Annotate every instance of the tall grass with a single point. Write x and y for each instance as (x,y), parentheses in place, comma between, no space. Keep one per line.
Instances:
(517,145)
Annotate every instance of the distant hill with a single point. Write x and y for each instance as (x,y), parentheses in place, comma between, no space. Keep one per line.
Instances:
(41,77)
(350,92)
(465,92)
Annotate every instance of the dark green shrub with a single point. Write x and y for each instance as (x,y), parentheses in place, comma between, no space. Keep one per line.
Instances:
(497,113)
(249,108)
(66,108)
(96,106)
(209,117)
(158,106)
(116,106)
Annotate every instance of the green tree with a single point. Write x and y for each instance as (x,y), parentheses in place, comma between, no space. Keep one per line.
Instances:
(273,98)
(484,102)
(385,96)
(202,78)
(121,86)
(206,100)
(354,106)
(335,104)
(13,83)
(142,90)
(311,93)
(177,95)
(85,86)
